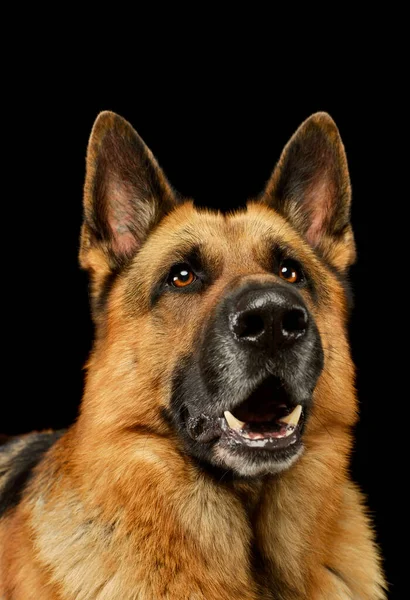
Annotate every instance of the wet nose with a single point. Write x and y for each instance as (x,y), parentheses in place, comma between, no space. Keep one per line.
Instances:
(269,318)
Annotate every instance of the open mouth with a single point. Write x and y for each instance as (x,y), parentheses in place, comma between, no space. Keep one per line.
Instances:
(268,419)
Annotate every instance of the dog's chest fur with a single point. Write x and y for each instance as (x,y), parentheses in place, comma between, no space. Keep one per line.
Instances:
(205,540)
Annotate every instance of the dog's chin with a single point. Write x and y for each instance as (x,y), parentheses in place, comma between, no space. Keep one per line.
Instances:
(247,465)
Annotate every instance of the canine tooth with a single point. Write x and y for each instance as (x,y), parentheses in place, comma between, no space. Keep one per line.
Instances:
(293,417)
(232,421)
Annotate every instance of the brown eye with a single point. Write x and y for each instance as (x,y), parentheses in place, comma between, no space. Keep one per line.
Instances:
(290,271)
(181,276)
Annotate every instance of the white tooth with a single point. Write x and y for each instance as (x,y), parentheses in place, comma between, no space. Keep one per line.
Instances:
(232,421)
(293,418)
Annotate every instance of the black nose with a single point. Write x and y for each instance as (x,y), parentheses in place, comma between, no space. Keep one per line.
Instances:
(269,318)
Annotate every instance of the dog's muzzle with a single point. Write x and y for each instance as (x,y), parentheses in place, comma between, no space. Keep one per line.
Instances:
(249,386)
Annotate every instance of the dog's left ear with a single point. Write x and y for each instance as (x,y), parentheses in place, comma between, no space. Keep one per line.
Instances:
(310,186)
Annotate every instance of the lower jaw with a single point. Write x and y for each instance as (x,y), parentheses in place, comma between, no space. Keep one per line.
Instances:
(255,461)
(224,448)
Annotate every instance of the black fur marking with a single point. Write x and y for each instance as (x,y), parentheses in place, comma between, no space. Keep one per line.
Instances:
(145,430)
(106,289)
(337,574)
(342,278)
(21,466)
(100,302)
(194,258)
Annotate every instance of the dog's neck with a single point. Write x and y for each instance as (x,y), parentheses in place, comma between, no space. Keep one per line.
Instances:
(260,527)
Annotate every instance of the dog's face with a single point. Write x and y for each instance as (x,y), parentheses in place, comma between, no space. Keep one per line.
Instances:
(225,332)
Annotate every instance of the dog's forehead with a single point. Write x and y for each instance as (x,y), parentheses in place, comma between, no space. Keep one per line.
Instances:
(224,232)
(235,243)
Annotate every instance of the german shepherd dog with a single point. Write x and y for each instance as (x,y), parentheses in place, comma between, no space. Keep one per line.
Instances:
(210,459)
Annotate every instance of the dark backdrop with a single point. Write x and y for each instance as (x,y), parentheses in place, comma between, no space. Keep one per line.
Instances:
(218,143)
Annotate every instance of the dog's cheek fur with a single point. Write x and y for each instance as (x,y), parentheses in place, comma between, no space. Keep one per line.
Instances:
(335,404)
(134,395)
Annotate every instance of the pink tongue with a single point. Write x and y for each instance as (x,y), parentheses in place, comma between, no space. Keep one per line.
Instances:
(280,431)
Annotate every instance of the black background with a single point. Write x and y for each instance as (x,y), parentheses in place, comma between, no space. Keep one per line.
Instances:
(217,141)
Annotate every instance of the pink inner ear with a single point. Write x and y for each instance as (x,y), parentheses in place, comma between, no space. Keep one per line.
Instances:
(121,216)
(129,217)
(124,244)
(319,201)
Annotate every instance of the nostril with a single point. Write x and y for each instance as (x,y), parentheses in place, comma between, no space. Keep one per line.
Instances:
(294,323)
(250,326)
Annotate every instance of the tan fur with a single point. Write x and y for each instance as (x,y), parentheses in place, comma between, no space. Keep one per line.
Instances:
(118,511)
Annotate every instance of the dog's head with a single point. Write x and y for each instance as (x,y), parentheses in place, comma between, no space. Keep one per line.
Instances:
(225,332)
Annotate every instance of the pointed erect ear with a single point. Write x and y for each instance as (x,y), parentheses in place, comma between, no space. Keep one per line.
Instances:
(125,195)
(310,187)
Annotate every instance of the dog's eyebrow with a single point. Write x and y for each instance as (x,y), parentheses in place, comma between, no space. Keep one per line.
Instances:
(196,256)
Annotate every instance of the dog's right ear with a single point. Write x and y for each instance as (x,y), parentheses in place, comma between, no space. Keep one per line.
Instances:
(125,196)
